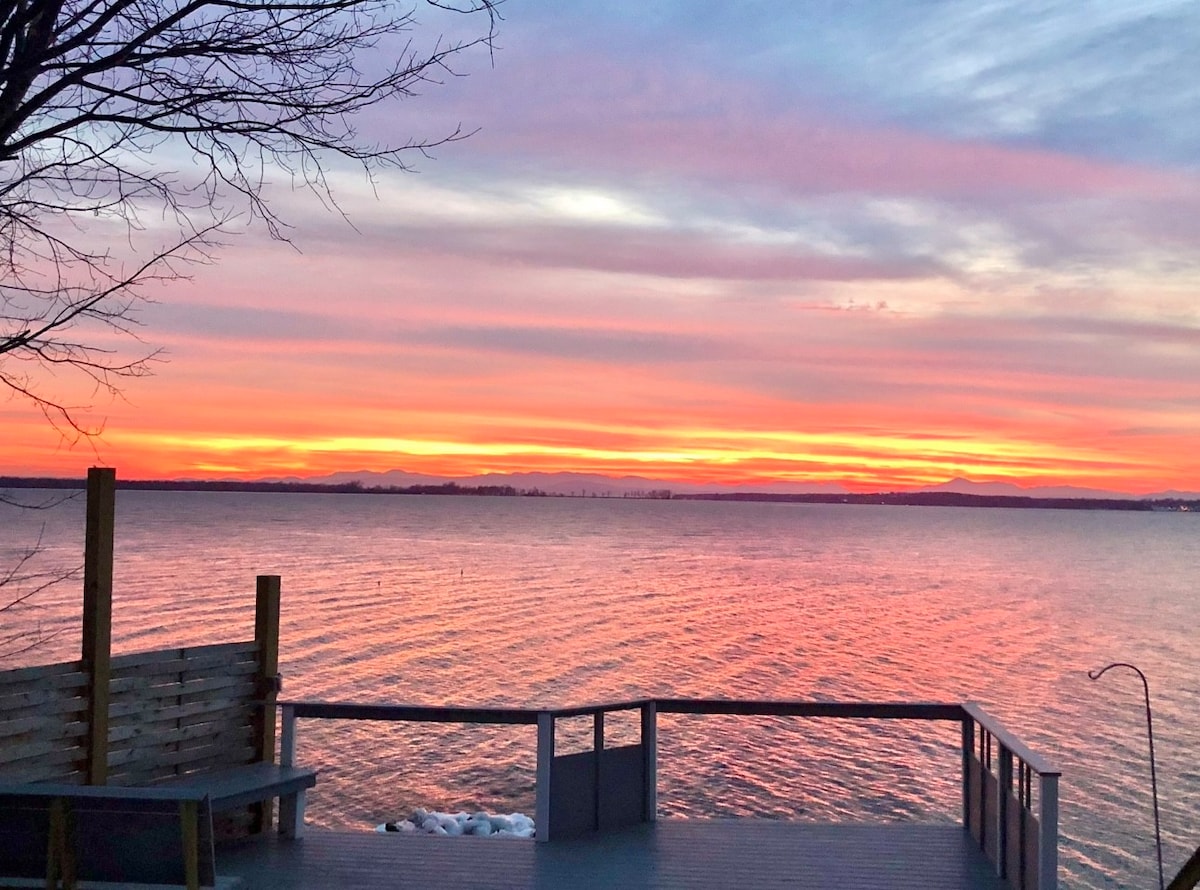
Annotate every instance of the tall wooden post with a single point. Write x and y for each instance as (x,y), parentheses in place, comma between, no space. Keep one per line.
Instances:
(266,635)
(97,614)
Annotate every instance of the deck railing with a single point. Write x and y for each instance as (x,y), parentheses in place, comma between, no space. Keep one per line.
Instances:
(1012,818)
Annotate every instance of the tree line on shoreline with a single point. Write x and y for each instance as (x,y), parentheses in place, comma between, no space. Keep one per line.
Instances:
(893,498)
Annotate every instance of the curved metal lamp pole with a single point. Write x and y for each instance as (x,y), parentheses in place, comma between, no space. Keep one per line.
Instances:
(1096,675)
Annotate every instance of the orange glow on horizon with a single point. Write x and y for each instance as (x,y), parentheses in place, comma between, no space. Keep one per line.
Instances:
(857,460)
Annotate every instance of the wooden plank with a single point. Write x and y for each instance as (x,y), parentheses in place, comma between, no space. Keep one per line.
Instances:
(144,677)
(61,710)
(66,673)
(143,735)
(58,766)
(65,685)
(50,699)
(216,721)
(227,750)
(44,748)
(170,709)
(148,688)
(218,653)
(183,669)
(165,772)
(175,763)
(14,732)
(235,715)
(126,710)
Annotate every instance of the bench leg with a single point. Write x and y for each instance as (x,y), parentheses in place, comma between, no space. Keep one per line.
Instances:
(60,852)
(291,814)
(189,818)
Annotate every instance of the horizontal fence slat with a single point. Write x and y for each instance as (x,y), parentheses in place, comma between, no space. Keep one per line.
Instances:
(137,769)
(142,735)
(125,751)
(199,654)
(35,694)
(61,709)
(14,732)
(37,748)
(67,770)
(190,667)
(43,675)
(133,709)
(147,688)
(219,711)
(212,760)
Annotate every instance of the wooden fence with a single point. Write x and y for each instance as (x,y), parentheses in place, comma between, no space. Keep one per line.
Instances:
(170,712)
(140,718)
(43,723)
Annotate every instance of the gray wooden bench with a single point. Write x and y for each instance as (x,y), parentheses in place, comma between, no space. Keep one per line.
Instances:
(159,835)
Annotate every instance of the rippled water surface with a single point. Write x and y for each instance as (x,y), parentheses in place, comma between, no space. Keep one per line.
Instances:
(544,601)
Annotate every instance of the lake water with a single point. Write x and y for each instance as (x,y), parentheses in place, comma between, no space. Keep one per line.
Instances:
(532,601)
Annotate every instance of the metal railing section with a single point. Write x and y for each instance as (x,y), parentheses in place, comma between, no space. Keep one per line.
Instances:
(1010,793)
(1010,802)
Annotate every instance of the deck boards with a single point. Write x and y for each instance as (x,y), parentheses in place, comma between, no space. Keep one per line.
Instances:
(673,854)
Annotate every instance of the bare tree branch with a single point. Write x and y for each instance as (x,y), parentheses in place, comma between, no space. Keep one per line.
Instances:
(95,95)
(19,585)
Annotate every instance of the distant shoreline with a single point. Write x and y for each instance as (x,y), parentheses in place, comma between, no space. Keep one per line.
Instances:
(893,498)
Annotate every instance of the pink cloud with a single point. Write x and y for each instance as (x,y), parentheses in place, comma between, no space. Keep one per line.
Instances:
(656,121)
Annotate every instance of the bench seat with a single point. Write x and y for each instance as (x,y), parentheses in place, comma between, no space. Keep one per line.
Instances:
(238,786)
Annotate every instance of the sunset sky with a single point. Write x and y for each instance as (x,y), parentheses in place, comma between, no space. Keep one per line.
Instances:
(884,243)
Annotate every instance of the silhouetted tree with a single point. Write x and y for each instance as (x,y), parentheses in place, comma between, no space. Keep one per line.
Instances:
(135,134)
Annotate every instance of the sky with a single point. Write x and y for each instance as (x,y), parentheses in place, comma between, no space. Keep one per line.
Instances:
(883,244)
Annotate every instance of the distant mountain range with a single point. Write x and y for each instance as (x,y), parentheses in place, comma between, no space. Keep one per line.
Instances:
(587,484)
(958,491)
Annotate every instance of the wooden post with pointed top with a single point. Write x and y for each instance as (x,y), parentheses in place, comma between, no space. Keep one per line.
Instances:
(97,615)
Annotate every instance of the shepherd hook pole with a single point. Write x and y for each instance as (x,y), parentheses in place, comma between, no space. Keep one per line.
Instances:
(1096,675)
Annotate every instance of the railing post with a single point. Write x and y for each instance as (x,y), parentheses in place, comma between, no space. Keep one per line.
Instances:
(97,615)
(597,778)
(1048,842)
(1004,771)
(291,806)
(968,746)
(545,761)
(650,761)
(287,738)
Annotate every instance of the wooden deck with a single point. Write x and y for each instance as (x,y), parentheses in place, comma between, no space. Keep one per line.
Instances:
(672,854)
